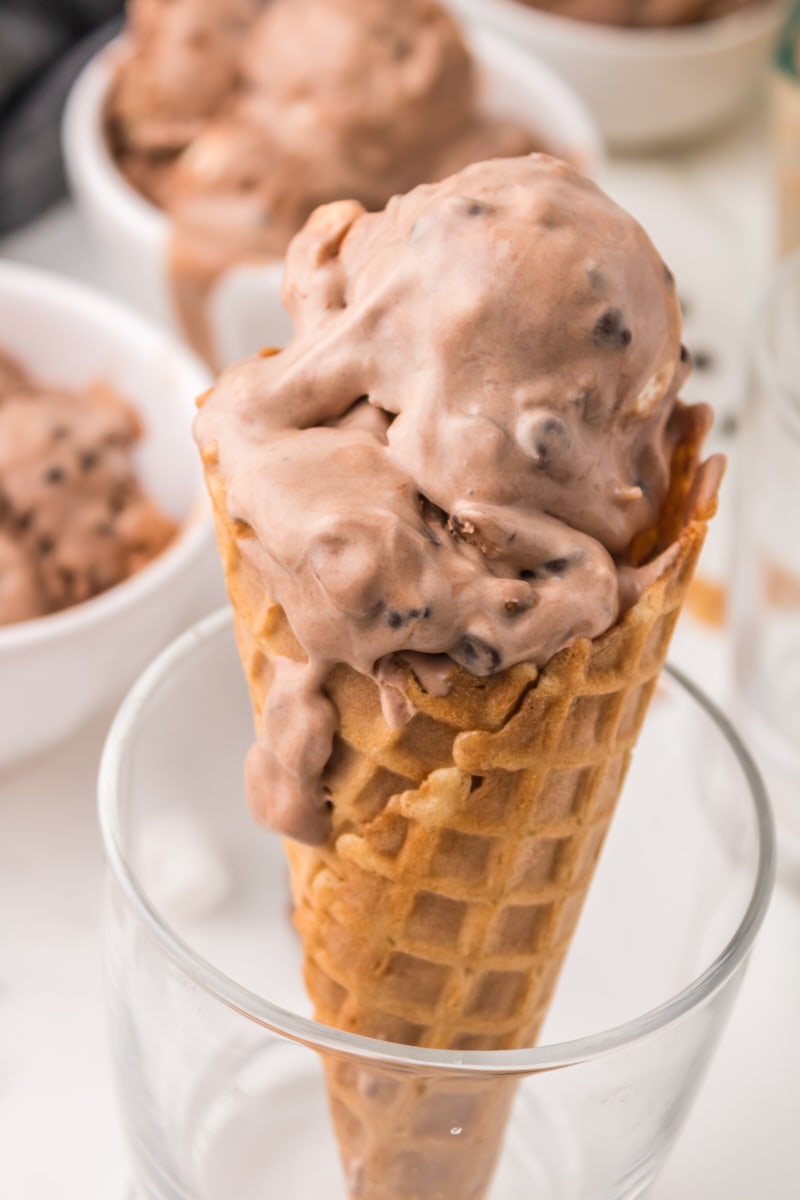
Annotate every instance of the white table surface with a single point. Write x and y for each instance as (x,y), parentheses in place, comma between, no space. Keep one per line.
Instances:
(709,211)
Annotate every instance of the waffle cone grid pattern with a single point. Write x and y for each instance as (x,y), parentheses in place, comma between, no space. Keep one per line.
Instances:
(439,912)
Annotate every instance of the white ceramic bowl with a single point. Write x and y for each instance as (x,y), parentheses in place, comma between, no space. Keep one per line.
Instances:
(647,88)
(245,309)
(56,671)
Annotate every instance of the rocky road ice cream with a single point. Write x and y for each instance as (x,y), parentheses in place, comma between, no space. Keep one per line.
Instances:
(457,451)
(74,519)
(318,100)
(641,12)
(181,64)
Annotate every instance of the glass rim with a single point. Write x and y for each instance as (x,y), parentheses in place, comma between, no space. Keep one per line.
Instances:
(318,1036)
(777,385)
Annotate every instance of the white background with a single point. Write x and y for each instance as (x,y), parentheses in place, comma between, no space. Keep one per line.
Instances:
(709,211)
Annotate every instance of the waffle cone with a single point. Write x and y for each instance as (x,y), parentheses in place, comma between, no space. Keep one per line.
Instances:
(439,911)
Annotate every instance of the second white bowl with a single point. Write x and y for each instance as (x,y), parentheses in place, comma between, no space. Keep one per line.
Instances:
(57,670)
(647,88)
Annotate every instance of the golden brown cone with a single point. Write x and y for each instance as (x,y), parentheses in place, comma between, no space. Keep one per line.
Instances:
(440,910)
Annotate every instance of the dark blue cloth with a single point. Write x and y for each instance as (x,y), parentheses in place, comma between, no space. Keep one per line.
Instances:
(43,45)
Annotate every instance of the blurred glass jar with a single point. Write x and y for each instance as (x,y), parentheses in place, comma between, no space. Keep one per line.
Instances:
(785,131)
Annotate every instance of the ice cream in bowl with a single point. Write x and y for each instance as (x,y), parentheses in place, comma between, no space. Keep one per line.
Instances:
(198,144)
(656,74)
(104,532)
(458,515)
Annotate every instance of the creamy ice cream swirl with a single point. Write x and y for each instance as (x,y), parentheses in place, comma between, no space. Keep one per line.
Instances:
(475,418)
(74,517)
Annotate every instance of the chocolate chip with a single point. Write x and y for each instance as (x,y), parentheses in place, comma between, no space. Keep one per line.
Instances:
(528,575)
(54,475)
(396,619)
(610,330)
(542,436)
(89,459)
(476,655)
(704,360)
(554,433)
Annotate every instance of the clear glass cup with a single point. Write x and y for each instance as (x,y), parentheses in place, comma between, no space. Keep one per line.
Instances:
(766,583)
(221,1072)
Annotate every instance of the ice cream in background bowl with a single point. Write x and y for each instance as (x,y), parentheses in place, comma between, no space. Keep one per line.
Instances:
(75,519)
(327,101)
(105,536)
(458,514)
(655,75)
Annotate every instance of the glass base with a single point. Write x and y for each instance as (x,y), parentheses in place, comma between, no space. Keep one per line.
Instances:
(272,1108)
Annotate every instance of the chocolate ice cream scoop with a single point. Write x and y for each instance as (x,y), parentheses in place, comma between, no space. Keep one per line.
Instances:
(476,418)
(182,63)
(324,100)
(339,99)
(74,519)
